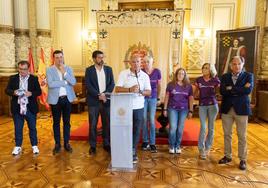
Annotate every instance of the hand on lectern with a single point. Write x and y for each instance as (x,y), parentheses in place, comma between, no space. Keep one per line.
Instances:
(135,89)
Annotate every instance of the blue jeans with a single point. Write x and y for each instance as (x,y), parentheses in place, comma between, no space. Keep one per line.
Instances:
(176,125)
(19,123)
(149,110)
(137,123)
(64,108)
(207,112)
(93,116)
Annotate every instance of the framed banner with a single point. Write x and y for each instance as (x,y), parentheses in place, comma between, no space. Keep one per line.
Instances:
(241,42)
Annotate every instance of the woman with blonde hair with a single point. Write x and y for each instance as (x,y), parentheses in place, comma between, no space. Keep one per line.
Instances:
(178,105)
(208,106)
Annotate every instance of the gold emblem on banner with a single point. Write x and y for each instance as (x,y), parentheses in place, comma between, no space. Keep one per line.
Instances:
(121,112)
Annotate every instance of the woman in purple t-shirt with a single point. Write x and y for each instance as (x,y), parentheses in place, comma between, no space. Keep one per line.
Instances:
(208,106)
(150,104)
(178,105)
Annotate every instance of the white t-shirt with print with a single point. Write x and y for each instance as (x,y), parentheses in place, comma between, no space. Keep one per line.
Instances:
(128,79)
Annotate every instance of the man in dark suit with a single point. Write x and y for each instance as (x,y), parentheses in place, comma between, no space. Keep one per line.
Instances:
(99,80)
(24,89)
(235,89)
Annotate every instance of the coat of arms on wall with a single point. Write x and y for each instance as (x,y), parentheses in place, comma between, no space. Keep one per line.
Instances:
(141,50)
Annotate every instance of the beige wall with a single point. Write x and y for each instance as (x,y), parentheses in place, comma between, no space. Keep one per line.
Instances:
(68,18)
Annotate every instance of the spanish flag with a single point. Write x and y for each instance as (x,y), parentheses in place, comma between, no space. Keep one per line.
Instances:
(42,78)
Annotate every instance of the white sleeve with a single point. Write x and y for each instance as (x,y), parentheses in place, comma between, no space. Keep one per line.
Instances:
(120,81)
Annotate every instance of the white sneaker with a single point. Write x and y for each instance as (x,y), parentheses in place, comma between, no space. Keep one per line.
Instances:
(16,151)
(178,150)
(35,150)
(171,150)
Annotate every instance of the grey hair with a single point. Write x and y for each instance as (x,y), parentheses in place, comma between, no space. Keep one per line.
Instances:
(240,58)
(148,59)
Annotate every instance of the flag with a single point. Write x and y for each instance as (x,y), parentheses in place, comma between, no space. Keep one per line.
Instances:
(42,78)
(31,62)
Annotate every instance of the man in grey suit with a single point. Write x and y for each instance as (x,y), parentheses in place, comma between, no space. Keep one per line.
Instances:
(60,80)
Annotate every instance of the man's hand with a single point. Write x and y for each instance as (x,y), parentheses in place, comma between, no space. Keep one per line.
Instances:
(135,89)
(28,93)
(102,97)
(247,85)
(228,87)
(61,68)
(15,92)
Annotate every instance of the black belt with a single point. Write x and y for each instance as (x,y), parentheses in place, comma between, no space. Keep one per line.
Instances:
(63,96)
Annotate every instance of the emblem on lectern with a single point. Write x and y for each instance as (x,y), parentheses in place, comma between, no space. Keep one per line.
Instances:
(121,112)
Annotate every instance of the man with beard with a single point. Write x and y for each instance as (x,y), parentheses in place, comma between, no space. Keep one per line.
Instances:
(99,80)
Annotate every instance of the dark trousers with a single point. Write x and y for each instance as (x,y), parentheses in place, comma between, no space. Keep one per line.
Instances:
(63,107)
(137,124)
(93,115)
(19,123)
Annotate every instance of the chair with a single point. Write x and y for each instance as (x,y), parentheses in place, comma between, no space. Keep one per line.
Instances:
(78,105)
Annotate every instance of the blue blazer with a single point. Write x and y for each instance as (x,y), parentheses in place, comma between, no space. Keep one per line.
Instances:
(54,84)
(33,86)
(238,96)
(92,86)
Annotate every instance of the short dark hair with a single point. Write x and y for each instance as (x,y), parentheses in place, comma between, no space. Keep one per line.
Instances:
(24,63)
(96,53)
(57,52)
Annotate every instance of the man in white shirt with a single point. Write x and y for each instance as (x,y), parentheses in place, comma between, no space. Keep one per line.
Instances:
(60,80)
(99,81)
(134,80)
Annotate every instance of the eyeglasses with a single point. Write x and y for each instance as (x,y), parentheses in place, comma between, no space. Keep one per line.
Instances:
(23,69)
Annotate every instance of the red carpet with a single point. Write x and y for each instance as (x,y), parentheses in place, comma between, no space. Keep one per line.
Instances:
(190,134)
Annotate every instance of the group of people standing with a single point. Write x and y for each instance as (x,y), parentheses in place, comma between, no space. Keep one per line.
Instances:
(145,84)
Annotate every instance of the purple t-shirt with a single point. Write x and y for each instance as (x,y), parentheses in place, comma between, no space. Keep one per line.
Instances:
(155,76)
(179,96)
(207,95)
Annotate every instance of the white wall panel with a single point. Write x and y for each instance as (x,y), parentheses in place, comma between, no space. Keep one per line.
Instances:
(69,24)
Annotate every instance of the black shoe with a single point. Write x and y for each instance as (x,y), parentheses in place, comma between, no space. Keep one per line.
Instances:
(92,151)
(56,149)
(68,148)
(145,146)
(107,148)
(225,160)
(242,165)
(135,159)
(153,149)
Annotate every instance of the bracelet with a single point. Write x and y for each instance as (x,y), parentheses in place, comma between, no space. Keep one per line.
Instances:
(165,109)
(158,99)
(190,111)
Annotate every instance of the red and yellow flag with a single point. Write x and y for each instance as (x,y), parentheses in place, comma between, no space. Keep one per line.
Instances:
(42,78)
(31,62)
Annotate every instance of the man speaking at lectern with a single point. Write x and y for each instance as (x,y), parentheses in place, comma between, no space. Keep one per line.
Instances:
(134,80)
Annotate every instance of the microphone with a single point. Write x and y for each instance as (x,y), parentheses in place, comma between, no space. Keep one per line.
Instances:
(136,74)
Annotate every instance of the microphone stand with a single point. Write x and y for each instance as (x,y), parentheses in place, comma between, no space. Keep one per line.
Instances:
(136,74)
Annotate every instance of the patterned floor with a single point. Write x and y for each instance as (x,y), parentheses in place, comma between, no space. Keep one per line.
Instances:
(160,170)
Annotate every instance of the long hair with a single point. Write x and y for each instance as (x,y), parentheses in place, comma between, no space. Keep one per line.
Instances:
(212,69)
(185,80)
